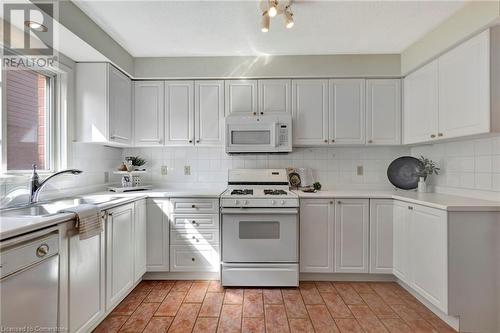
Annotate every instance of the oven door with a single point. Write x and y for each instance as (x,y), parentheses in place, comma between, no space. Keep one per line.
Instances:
(259,235)
(251,137)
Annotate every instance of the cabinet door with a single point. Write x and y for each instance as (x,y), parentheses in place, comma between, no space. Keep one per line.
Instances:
(274,96)
(120,107)
(316,235)
(157,249)
(464,88)
(401,264)
(310,112)
(381,217)
(421,104)
(383,112)
(241,97)
(428,253)
(347,111)
(86,281)
(351,236)
(179,113)
(140,239)
(209,113)
(148,113)
(119,254)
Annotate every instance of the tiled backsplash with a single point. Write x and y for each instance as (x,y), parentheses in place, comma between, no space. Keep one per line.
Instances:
(467,166)
(335,168)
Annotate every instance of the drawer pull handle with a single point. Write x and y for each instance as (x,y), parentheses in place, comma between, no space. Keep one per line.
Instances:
(193,237)
(193,206)
(42,250)
(192,259)
(339,202)
(194,222)
(331,202)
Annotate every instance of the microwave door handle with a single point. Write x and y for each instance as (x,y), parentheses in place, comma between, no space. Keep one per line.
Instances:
(276,135)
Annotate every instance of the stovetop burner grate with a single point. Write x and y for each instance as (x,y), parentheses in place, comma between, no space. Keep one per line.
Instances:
(274,192)
(242,192)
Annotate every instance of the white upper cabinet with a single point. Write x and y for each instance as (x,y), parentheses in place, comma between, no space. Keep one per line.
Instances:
(103,104)
(421,104)
(148,113)
(274,96)
(209,113)
(310,112)
(179,113)
(347,111)
(241,97)
(317,235)
(351,235)
(464,88)
(383,112)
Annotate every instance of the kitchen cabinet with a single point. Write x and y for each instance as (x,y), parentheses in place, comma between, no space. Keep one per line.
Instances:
(310,112)
(103,104)
(464,88)
(148,113)
(157,235)
(179,113)
(428,254)
(209,113)
(317,235)
(401,241)
(383,112)
(351,235)
(241,97)
(381,235)
(421,104)
(119,253)
(274,96)
(86,280)
(347,111)
(140,240)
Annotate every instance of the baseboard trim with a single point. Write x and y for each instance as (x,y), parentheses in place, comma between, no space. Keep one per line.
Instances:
(181,276)
(356,277)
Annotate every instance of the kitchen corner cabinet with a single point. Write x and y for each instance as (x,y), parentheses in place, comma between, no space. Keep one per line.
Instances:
(347,111)
(381,235)
(119,253)
(351,235)
(179,113)
(148,113)
(383,112)
(140,240)
(241,97)
(103,104)
(157,229)
(209,113)
(317,235)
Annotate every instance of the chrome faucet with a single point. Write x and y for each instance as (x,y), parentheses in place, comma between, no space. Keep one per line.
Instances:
(36,186)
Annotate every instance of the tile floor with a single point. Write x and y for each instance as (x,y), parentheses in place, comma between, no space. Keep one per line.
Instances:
(204,306)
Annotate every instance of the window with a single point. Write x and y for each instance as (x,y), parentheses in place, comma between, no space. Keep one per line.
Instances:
(29,115)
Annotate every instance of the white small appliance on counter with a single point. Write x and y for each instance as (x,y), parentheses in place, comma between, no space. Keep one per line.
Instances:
(258,134)
(260,229)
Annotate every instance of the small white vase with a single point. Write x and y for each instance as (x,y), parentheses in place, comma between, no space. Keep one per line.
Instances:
(422,185)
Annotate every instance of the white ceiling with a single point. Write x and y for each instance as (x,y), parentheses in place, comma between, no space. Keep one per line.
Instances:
(210,28)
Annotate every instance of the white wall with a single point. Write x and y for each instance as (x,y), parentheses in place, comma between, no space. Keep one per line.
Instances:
(469,167)
(335,168)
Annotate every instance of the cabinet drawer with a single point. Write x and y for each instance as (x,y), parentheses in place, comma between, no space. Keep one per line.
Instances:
(194,221)
(194,259)
(195,205)
(194,237)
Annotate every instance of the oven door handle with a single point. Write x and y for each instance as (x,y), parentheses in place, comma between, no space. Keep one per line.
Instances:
(254,211)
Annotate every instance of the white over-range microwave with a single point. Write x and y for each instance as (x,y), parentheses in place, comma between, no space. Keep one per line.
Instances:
(258,134)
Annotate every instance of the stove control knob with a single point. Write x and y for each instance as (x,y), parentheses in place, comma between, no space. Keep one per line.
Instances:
(282,202)
(236,202)
(273,202)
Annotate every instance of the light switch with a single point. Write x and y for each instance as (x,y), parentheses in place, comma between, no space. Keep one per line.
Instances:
(164,170)
(187,170)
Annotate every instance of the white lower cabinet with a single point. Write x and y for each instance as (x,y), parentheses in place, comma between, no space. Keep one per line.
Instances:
(317,235)
(86,280)
(140,239)
(119,253)
(157,235)
(351,235)
(381,235)
(194,258)
(401,267)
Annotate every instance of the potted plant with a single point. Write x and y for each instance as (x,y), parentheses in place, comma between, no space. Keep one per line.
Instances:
(137,162)
(427,168)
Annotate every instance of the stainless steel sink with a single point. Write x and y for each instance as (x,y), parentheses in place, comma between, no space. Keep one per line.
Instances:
(84,200)
(26,211)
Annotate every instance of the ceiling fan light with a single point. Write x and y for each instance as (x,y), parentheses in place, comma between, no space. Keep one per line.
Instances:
(288,19)
(273,8)
(265,22)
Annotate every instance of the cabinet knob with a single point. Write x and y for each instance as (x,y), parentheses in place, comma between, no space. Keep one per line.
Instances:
(410,207)
(326,141)
(193,237)
(255,113)
(370,141)
(193,206)
(333,140)
(331,202)
(42,250)
(193,222)
(440,134)
(262,113)
(190,141)
(192,259)
(197,141)
(339,202)
(433,136)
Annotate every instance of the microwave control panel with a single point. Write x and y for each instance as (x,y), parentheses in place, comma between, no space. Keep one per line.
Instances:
(283,134)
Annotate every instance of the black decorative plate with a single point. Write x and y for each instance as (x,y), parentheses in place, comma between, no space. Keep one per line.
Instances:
(403,172)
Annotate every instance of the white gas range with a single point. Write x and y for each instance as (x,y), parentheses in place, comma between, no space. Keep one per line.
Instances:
(260,225)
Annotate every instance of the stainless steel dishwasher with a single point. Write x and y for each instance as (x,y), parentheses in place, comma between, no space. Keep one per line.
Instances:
(29,281)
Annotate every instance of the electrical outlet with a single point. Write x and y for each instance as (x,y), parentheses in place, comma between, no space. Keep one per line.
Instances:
(164,170)
(360,170)
(187,170)
(106,177)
